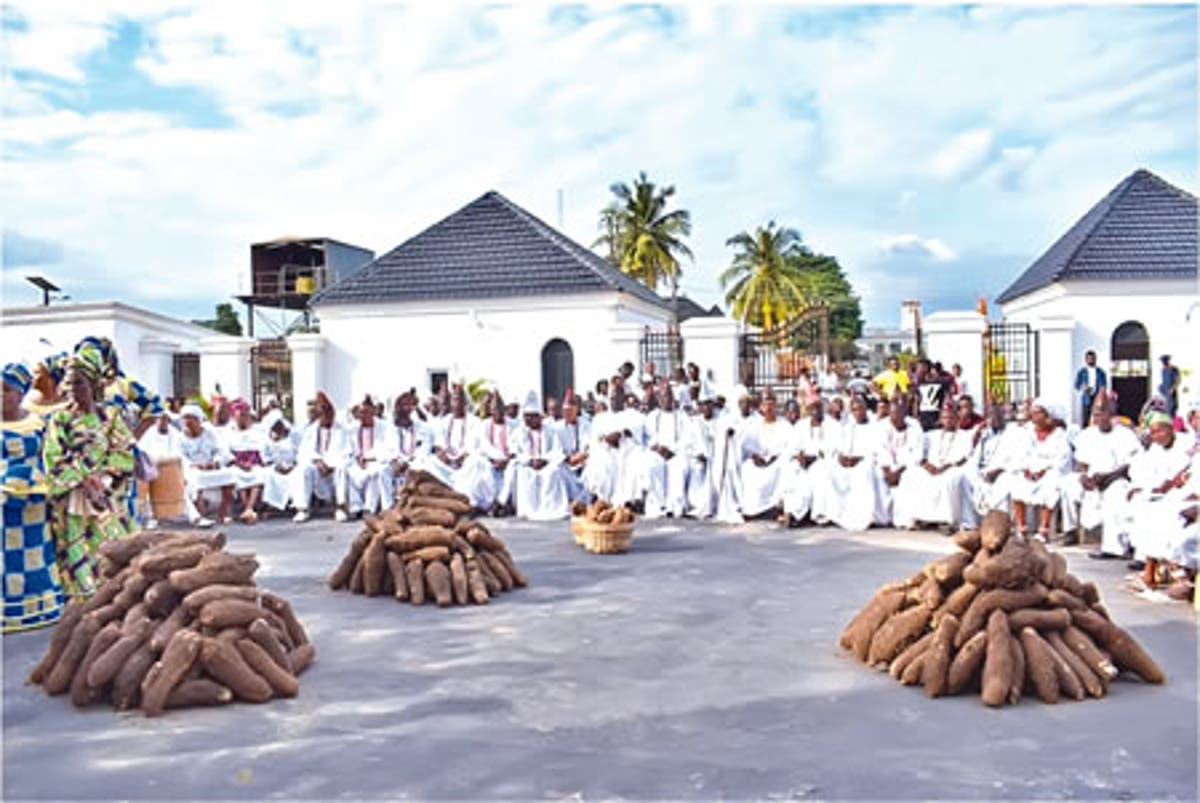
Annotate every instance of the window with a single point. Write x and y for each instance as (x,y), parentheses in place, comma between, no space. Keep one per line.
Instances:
(438,378)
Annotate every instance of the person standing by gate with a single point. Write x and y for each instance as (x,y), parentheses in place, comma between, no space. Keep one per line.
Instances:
(1168,385)
(1089,380)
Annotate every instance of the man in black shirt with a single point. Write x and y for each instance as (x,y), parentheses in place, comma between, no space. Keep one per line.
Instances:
(930,392)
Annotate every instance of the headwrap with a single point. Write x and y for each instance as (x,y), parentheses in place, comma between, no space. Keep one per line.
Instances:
(1158,417)
(238,406)
(108,354)
(18,376)
(88,361)
(323,399)
(192,410)
(56,366)
(275,416)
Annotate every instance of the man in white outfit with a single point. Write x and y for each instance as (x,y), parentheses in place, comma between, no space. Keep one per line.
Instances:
(411,444)
(541,491)
(763,455)
(616,452)
(667,458)
(452,445)
(321,463)
(369,483)
(1158,478)
(806,475)
(1000,446)
(1104,453)
(575,437)
(898,450)
(933,492)
(854,483)
(487,474)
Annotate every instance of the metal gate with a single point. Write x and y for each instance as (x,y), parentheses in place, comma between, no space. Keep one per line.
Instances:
(271,374)
(774,359)
(664,349)
(1010,363)
(185,375)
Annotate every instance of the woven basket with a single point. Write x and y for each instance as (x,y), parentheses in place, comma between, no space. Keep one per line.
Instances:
(579,526)
(608,539)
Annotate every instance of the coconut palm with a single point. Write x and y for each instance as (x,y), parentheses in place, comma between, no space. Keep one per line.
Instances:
(767,283)
(643,239)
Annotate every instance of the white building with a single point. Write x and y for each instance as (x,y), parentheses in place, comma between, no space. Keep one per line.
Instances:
(160,351)
(1121,282)
(489,293)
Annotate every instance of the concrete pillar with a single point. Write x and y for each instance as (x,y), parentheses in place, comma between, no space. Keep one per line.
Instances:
(225,362)
(712,343)
(1056,370)
(157,358)
(624,341)
(308,369)
(957,337)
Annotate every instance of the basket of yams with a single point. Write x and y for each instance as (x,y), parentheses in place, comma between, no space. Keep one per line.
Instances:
(579,522)
(607,530)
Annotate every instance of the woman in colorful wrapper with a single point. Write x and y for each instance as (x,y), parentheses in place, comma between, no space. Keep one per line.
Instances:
(33,594)
(89,461)
(47,381)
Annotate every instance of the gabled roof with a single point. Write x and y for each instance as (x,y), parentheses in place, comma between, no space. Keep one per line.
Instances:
(686,308)
(1144,229)
(488,249)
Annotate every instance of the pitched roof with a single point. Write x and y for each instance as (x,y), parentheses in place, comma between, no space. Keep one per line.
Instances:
(686,308)
(490,248)
(1145,228)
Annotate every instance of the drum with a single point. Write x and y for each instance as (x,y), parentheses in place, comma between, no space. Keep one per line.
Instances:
(166,492)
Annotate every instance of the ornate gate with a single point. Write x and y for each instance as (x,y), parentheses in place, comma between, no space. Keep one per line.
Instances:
(271,374)
(664,349)
(774,359)
(1010,363)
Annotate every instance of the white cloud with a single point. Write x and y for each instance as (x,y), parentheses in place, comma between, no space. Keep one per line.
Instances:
(912,245)
(367,121)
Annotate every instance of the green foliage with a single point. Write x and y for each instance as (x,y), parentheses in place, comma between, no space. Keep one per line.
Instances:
(226,321)
(643,239)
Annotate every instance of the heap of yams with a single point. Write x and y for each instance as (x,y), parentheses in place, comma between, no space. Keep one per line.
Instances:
(428,548)
(1002,615)
(176,621)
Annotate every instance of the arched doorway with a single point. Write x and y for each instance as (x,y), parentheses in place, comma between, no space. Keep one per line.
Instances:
(558,369)
(1130,373)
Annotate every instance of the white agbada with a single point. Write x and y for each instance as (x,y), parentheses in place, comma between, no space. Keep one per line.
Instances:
(453,436)
(369,484)
(575,439)
(280,456)
(1052,455)
(762,486)
(896,449)
(936,498)
(1002,451)
(541,493)
(665,481)
(330,446)
(810,490)
(1146,510)
(479,479)
(412,449)
(246,446)
(854,502)
(612,473)
(1102,453)
(725,472)
(702,490)
(1173,538)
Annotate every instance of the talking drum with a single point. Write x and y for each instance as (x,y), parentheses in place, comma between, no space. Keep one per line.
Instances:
(166,492)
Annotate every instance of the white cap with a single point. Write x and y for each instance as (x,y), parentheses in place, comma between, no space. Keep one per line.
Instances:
(193,410)
(532,405)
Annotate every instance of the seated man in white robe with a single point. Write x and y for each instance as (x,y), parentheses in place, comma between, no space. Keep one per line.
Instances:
(412,444)
(806,474)
(488,472)
(279,453)
(1104,453)
(932,493)
(369,484)
(854,484)
(764,452)
(541,490)
(1000,446)
(615,455)
(321,464)
(206,466)
(452,444)
(899,449)
(575,437)
(667,458)
(1040,480)
(1158,478)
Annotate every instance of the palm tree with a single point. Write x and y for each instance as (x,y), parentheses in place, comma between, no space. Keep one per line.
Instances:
(767,283)
(643,239)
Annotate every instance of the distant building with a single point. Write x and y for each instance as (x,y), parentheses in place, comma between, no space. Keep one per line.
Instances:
(878,343)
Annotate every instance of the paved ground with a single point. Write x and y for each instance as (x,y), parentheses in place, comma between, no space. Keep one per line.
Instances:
(701,665)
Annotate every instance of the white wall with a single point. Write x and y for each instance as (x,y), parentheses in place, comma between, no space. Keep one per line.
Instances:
(146,341)
(957,337)
(1094,309)
(387,348)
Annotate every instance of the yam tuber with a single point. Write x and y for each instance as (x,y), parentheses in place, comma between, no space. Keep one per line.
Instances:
(58,641)
(1040,666)
(1126,652)
(190,693)
(994,530)
(458,579)
(908,655)
(225,663)
(937,657)
(965,666)
(998,662)
(437,581)
(177,659)
(341,575)
(399,578)
(896,633)
(414,572)
(281,681)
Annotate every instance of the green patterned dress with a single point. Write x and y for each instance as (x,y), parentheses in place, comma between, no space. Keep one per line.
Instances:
(78,446)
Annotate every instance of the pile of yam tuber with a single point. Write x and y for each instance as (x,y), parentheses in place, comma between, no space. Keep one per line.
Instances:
(602,512)
(1002,616)
(175,622)
(428,548)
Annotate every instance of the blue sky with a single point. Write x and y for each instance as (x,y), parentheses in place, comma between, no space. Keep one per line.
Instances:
(936,151)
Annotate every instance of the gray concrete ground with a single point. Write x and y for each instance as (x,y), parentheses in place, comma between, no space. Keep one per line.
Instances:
(701,665)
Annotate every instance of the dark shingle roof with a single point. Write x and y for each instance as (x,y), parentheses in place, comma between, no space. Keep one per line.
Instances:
(490,248)
(686,308)
(1144,229)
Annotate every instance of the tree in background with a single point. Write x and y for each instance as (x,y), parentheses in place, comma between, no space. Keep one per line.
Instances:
(226,321)
(831,287)
(643,239)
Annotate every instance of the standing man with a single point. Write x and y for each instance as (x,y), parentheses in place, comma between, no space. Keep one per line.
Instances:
(929,394)
(1089,380)
(1168,385)
(890,380)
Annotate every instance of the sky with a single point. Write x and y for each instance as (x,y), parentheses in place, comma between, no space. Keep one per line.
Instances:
(935,151)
